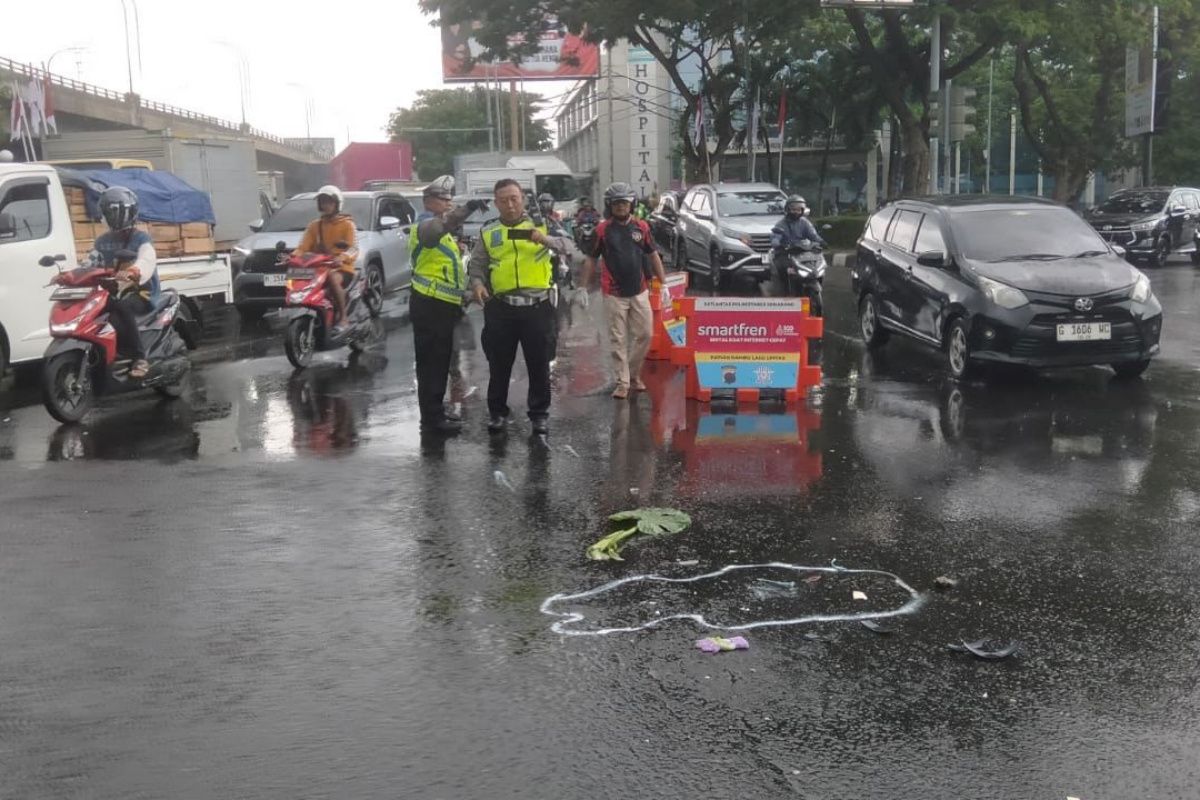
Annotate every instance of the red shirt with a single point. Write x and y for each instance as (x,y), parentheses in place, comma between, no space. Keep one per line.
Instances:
(624,248)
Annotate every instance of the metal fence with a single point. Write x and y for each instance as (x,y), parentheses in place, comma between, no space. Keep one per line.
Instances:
(29,70)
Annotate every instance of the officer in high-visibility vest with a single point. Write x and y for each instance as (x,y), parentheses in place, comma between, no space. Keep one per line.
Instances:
(439,285)
(512,276)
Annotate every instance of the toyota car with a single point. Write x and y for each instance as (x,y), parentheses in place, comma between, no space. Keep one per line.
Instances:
(1003,280)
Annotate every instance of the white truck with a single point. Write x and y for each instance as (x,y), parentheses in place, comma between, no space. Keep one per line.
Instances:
(35,222)
(480,181)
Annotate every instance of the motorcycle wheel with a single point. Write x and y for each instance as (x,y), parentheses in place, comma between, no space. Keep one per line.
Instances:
(301,340)
(66,397)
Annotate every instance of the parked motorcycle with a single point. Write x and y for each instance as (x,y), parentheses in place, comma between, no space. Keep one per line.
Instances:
(82,362)
(800,271)
(313,330)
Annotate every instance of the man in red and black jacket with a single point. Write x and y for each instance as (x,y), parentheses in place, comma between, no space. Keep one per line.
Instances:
(626,248)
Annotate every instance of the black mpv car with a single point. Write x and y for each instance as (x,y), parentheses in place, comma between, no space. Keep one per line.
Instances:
(1150,223)
(1008,280)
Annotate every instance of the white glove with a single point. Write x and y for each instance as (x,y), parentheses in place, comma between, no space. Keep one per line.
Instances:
(581,295)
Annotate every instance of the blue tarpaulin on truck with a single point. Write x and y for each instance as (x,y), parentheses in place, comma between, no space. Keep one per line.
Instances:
(162,197)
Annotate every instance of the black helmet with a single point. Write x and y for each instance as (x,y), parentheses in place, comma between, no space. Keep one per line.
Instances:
(585,202)
(619,191)
(545,201)
(119,207)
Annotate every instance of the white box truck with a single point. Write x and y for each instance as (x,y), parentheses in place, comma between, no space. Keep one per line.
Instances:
(35,221)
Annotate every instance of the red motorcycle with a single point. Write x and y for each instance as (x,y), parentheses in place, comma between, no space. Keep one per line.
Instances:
(82,363)
(313,330)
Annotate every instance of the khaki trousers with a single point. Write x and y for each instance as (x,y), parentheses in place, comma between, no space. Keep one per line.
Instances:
(629,321)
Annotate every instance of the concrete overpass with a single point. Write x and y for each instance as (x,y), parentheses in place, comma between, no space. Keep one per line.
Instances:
(81,107)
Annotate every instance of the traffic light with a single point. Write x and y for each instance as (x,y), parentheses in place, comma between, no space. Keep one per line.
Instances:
(962,112)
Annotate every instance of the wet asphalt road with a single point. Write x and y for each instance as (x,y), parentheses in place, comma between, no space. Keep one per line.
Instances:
(274,589)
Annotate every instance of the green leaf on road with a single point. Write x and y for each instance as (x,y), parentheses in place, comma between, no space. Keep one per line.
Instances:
(648,521)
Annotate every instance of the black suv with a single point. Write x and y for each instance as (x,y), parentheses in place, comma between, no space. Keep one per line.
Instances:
(1005,280)
(1150,223)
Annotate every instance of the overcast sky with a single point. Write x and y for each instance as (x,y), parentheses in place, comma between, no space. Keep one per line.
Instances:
(358,60)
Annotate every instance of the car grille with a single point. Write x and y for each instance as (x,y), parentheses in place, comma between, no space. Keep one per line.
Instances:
(760,242)
(1040,340)
(263,261)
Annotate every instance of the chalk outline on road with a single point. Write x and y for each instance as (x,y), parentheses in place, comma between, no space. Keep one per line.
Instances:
(916,600)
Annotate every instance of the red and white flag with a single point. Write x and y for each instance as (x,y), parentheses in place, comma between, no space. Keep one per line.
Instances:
(17,122)
(782,115)
(48,107)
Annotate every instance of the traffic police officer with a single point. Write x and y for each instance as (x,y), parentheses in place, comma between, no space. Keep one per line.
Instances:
(438,288)
(512,276)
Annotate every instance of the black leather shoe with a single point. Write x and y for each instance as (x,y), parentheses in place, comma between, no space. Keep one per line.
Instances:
(541,426)
(497,423)
(446,427)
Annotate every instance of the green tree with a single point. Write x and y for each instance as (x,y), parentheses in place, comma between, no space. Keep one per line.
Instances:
(721,40)
(434,151)
(1177,136)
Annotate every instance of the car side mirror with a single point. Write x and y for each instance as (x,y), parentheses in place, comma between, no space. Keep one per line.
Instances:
(257,225)
(1176,211)
(8,225)
(933,258)
(1116,248)
(704,215)
(48,261)
(389,223)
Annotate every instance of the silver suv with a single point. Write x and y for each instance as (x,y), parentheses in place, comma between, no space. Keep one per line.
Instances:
(725,229)
(384,222)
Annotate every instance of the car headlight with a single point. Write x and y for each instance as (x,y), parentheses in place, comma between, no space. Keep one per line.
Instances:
(1002,294)
(737,237)
(1141,289)
(1142,227)
(244,251)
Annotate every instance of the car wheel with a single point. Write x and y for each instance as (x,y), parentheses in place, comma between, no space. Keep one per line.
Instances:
(714,270)
(251,313)
(1130,369)
(1162,252)
(373,291)
(958,351)
(873,333)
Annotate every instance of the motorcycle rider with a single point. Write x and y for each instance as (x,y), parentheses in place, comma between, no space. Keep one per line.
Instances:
(587,213)
(551,218)
(791,230)
(625,246)
(439,285)
(325,235)
(138,285)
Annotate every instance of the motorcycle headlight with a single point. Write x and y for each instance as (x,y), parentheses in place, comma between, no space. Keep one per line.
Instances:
(1141,289)
(1002,294)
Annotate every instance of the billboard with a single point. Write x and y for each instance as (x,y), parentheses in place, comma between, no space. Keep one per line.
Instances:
(561,56)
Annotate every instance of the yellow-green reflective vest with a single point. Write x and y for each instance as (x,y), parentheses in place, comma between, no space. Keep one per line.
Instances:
(516,264)
(438,271)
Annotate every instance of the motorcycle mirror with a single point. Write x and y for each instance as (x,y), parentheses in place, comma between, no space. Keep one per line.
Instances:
(280,246)
(48,261)
(257,225)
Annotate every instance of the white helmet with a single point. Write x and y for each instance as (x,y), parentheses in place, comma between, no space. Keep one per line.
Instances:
(442,187)
(333,192)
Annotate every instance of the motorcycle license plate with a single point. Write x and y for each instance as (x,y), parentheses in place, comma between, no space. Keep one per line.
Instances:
(274,280)
(1085,331)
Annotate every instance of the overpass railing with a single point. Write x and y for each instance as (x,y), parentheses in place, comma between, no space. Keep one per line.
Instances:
(29,70)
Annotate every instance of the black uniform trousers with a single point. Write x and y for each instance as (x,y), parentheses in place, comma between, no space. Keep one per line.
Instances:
(535,329)
(433,323)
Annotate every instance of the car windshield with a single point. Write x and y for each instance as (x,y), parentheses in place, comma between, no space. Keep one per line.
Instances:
(296,213)
(1024,234)
(562,187)
(750,204)
(1134,203)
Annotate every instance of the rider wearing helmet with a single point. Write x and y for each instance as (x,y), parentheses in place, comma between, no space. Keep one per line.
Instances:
(587,214)
(137,280)
(626,248)
(793,229)
(332,234)
(551,220)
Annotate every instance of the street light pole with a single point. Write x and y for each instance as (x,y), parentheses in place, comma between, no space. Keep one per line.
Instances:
(128,51)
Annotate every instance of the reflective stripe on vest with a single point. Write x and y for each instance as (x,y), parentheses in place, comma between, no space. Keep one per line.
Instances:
(438,271)
(516,264)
